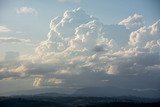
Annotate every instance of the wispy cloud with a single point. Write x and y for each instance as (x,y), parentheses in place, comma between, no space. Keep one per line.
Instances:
(4,40)
(26,10)
(4,29)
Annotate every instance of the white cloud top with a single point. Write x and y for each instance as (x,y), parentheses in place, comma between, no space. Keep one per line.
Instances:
(134,21)
(146,35)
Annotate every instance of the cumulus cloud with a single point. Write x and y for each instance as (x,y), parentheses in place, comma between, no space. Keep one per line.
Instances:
(4,29)
(75,31)
(4,40)
(90,46)
(133,22)
(62,30)
(82,49)
(26,10)
(146,36)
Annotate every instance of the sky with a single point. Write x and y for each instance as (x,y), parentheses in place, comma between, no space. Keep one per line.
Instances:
(72,44)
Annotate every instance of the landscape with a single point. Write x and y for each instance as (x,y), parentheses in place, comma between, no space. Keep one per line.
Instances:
(79,53)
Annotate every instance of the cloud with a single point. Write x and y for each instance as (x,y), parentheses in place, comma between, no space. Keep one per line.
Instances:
(62,30)
(38,82)
(26,10)
(65,25)
(5,40)
(10,67)
(146,36)
(85,45)
(4,29)
(89,36)
(133,22)
(75,30)
(82,49)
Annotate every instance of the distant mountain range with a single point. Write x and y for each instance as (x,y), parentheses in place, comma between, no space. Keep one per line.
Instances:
(85,97)
(108,91)
(40,91)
